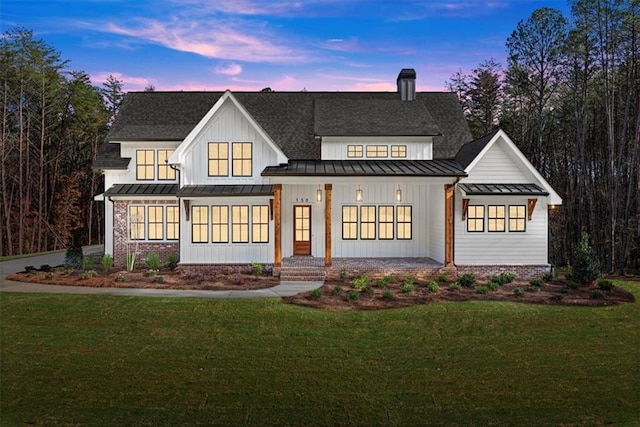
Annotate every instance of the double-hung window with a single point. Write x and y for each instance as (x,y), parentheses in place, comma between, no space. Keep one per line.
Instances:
(165,172)
(260,224)
(240,224)
(475,218)
(200,224)
(218,159)
(367,222)
(137,221)
(145,165)
(403,219)
(517,218)
(220,224)
(242,153)
(385,222)
(349,222)
(496,218)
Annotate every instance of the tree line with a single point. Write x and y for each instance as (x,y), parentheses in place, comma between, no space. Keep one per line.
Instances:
(569,97)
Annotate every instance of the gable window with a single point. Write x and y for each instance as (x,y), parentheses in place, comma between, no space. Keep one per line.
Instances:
(403,219)
(242,153)
(367,222)
(260,224)
(145,165)
(377,151)
(240,224)
(173,223)
(475,218)
(155,224)
(200,224)
(165,172)
(517,219)
(354,151)
(218,159)
(220,224)
(385,222)
(136,223)
(496,218)
(349,222)
(399,151)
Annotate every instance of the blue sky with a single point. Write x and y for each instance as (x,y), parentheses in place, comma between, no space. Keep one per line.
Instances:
(288,45)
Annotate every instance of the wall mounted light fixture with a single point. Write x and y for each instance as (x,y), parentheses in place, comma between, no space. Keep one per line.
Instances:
(319,194)
(398,194)
(358,194)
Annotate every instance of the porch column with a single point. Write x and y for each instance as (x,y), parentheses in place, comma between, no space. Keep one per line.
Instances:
(448,225)
(327,225)
(277,224)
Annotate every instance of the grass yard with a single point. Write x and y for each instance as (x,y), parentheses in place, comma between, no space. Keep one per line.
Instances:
(101,360)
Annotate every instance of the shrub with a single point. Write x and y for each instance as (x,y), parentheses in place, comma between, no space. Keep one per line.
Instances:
(493,285)
(533,288)
(87,274)
(537,282)
(605,285)
(410,280)
(336,289)
(443,277)
(45,267)
(556,297)
(585,267)
(257,269)
(467,280)
(408,287)
(455,286)
(518,292)
(359,282)
(315,294)
(30,269)
(153,261)
(107,262)
(120,278)
(503,278)
(547,277)
(482,289)
(573,285)
(48,276)
(158,279)
(432,286)
(387,294)
(171,261)
(380,283)
(73,257)
(353,295)
(130,261)
(343,269)
(597,294)
(367,289)
(88,262)
(150,273)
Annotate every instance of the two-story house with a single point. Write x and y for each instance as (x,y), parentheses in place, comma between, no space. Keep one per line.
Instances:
(232,178)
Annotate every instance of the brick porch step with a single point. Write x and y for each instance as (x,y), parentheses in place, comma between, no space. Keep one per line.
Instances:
(302,274)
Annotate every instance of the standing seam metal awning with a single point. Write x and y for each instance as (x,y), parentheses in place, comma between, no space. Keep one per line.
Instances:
(225,190)
(500,189)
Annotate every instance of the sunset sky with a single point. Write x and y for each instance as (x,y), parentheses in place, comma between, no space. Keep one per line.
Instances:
(288,45)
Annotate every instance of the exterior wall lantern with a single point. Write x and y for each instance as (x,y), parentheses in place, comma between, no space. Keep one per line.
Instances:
(358,194)
(398,194)
(319,194)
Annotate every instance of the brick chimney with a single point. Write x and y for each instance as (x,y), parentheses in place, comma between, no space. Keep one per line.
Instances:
(407,84)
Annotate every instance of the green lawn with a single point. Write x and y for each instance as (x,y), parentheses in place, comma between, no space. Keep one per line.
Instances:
(100,360)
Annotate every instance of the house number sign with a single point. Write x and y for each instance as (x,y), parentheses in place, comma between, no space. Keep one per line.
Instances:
(302,200)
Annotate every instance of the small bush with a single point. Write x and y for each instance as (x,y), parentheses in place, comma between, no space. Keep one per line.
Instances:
(597,294)
(29,269)
(503,278)
(547,277)
(45,267)
(455,286)
(130,261)
(158,279)
(408,287)
(605,285)
(556,297)
(120,278)
(536,282)
(467,280)
(387,294)
(88,274)
(343,269)
(359,282)
(410,280)
(432,286)
(150,273)
(443,277)
(482,289)
(315,294)
(533,288)
(48,276)
(257,269)
(493,285)
(153,261)
(367,289)
(518,292)
(353,295)
(380,283)
(73,258)
(107,262)
(573,285)
(171,261)
(336,289)
(88,262)
(585,267)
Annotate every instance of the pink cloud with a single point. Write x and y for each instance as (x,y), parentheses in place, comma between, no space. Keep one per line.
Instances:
(232,69)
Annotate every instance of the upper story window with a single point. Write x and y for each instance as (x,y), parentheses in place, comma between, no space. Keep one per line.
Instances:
(399,151)
(242,158)
(377,151)
(145,165)
(218,159)
(354,151)
(165,172)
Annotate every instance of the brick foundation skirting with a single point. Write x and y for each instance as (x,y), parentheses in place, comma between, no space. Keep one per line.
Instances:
(521,271)
(213,269)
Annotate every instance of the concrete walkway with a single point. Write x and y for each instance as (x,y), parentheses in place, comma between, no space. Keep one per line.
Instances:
(57,258)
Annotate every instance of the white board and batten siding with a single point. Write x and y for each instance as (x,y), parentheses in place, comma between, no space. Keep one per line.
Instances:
(418,148)
(482,248)
(228,125)
(128,149)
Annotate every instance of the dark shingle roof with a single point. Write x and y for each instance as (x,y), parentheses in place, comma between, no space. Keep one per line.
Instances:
(470,151)
(142,190)
(503,190)
(294,119)
(225,190)
(109,158)
(366,168)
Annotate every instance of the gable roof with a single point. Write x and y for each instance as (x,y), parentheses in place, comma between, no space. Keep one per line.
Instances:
(294,119)
(469,151)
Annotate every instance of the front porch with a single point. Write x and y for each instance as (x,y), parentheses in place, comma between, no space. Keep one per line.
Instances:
(306,268)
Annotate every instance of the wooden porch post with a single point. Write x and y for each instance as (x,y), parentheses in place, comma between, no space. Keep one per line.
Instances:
(277,224)
(448,227)
(327,224)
